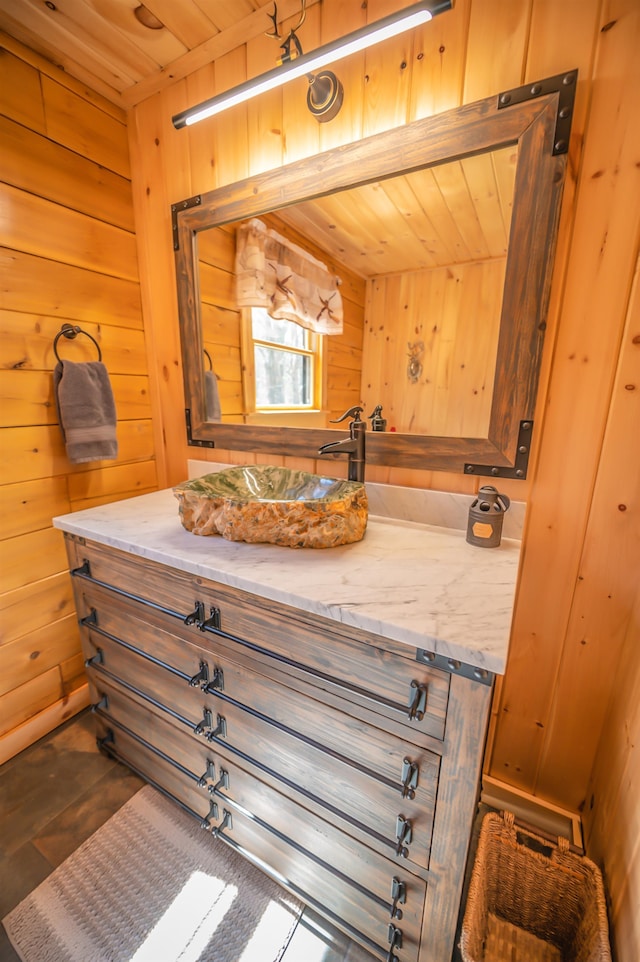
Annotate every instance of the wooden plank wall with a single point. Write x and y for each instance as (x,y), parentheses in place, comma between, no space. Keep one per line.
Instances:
(68,254)
(446,319)
(612,816)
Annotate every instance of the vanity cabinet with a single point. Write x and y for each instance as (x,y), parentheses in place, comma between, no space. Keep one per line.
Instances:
(342,762)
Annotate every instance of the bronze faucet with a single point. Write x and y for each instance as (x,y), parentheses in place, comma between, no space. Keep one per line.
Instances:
(353,446)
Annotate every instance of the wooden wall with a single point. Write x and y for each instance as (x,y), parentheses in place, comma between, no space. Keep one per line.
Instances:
(447,319)
(612,815)
(68,254)
(549,713)
(579,575)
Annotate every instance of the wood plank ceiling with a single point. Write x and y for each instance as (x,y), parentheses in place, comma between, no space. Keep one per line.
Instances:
(127,52)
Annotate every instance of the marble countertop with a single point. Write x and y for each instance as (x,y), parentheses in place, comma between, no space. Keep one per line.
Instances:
(419,584)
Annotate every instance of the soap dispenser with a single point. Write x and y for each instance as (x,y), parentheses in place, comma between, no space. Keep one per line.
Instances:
(378,423)
(484,526)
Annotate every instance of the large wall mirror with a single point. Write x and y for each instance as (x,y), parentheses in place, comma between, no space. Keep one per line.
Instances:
(442,234)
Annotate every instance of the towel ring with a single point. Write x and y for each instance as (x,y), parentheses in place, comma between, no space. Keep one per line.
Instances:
(208,357)
(71,331)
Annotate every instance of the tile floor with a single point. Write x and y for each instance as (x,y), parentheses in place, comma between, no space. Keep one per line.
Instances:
(62,789)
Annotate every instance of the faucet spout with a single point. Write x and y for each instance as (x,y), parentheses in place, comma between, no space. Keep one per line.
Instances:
(353,446)
(343,446)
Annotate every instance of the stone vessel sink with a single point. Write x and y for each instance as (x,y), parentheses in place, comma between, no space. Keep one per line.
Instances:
(261,503)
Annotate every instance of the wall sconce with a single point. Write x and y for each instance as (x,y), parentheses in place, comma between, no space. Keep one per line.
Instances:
(325,91)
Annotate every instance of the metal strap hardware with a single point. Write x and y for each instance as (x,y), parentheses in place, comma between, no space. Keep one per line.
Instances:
(404,833)
(399,896)
(209,775)
(453,666)
(417,700)
(409,778)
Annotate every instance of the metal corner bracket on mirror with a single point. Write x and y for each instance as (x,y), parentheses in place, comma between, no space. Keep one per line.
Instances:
(531,125)
(519,470)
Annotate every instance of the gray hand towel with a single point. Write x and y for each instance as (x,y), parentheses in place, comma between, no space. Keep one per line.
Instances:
(212,397)
(86,411)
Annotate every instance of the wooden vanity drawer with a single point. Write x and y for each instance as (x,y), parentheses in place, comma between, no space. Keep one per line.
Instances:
(351,785)
(351,664)
(241,678)
(319,862)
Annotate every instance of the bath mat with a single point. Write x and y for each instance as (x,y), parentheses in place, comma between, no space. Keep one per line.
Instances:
(151,886)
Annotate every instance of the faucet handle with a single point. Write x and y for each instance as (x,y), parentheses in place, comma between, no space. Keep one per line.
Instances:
(353,412)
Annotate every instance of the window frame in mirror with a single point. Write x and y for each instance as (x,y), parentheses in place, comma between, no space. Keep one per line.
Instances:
(536,119)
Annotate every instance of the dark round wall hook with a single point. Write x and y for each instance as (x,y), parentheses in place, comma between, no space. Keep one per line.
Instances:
(71,331)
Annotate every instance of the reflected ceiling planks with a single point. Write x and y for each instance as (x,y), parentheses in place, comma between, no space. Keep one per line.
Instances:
(443,216)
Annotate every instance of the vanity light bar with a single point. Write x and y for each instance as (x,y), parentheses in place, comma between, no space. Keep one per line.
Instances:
(390,26)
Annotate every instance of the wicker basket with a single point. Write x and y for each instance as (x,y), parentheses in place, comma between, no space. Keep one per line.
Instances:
(532,901)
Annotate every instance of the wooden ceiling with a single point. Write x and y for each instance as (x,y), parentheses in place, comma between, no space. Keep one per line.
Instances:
(455,213)
(448,215)
(106,45)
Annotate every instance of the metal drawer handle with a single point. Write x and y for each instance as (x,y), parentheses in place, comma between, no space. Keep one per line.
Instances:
(216,683)
(226,822)
(97,659)
(399,896)
(394,937)
(201,676)
(213,621)
(409,778)
(103,743)
(211,814)
(197,615)
(417,700)
(210,774)
(102,705)
(220,731)
(205,723)
(404,833)
(84,571)
(223,782)
(209,685)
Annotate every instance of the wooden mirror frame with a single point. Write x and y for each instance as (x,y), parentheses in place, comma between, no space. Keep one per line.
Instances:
(537,119)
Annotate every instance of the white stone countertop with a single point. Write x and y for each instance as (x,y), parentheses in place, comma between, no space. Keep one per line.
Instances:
(418,584)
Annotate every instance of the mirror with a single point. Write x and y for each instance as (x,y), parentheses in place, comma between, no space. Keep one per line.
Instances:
(471,199)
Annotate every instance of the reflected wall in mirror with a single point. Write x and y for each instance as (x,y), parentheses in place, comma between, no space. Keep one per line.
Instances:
(421,259)
(442,233)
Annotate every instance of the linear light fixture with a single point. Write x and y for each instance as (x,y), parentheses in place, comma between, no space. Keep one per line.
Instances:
(390,26)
